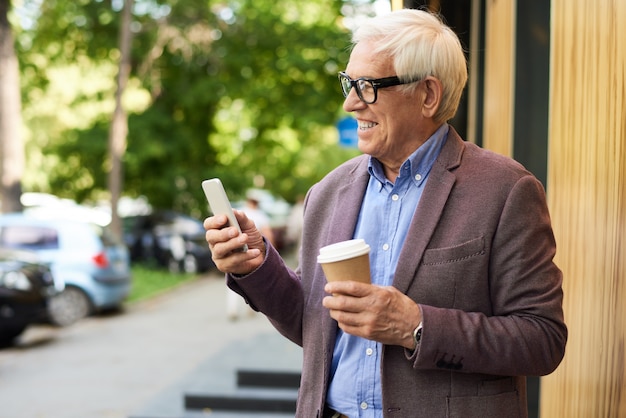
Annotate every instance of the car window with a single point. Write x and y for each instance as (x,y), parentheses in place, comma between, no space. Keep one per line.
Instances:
(29,237)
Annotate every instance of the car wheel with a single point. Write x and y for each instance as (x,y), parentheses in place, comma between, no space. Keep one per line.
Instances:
(173,265)
(68,307)
(9,333)
(190,264)
(177,247)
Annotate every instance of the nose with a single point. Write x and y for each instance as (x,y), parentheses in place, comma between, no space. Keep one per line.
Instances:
(352,102)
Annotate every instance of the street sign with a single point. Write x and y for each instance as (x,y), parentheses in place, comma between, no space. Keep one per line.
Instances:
(348,132)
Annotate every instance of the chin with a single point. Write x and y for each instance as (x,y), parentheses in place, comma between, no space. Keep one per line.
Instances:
(365,147)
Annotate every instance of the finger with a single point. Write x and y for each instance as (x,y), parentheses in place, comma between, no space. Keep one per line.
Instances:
(348,287)
(242,218)
(225,242)
(345,320)
(343,303)
(246,224)
(216,236)
(215,222)
(240,262)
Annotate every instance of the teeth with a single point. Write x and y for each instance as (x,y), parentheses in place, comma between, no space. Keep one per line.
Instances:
(366,125)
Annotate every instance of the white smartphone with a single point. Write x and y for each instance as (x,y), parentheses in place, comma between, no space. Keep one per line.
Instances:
(219,203)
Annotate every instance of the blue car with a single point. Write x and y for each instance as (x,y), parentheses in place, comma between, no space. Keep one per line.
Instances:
(92,263)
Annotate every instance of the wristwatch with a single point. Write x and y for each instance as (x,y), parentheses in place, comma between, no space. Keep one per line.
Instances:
(417,334)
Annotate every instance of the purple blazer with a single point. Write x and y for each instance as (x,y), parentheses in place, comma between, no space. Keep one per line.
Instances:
(478,258)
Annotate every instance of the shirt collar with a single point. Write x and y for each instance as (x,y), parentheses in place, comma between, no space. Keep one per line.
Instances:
(419,162)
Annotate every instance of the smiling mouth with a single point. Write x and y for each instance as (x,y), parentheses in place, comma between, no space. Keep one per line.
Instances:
(366,125)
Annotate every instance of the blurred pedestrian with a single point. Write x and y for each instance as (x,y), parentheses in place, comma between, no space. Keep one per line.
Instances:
(257,215)
(294,225)
(235,307)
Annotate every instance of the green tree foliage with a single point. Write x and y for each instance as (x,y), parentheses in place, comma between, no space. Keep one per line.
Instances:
(243,90)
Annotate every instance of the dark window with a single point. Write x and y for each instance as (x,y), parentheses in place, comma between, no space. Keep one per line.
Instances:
(29,237)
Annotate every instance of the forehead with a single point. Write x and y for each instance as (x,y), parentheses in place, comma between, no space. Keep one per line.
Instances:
(366,63)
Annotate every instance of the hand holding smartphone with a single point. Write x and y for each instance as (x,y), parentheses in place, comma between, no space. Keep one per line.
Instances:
(219,203)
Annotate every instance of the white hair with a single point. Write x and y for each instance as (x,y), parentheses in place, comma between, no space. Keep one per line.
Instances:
(420,45)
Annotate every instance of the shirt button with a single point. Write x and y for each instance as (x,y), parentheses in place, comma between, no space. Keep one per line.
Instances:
(363,405)
(395,197)
(385,247)
(369,351)
(418,177)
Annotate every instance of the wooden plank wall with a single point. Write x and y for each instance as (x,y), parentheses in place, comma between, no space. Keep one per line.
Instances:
(586,188)
(587,198)
(499,75)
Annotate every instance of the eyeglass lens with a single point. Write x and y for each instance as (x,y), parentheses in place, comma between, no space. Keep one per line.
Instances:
(364,88)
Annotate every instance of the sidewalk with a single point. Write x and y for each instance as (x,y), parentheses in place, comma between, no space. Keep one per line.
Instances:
(217,376)
(251,343)
(141,362)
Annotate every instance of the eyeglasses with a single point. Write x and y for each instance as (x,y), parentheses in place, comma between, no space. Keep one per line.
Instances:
(367,88)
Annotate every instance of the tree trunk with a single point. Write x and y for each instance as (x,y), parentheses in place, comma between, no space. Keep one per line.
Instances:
(11,143)
(119,124)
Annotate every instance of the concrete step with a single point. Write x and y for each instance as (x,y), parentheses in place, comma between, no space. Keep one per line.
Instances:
(245,400)
(268,379)
(258,391)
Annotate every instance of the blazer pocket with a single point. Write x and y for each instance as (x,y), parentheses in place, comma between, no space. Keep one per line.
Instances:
(454,254)
(501,405)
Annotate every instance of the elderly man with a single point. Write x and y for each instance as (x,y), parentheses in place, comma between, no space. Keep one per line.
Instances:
(465,299)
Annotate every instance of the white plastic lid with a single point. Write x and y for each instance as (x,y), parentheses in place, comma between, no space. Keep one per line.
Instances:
(343,250)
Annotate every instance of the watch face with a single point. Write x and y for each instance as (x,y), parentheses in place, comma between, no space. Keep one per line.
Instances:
(417,334)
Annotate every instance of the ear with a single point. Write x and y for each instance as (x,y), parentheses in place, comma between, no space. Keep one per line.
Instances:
(432,100)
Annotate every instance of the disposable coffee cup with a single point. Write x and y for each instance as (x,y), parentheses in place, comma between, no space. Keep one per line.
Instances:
(346,260)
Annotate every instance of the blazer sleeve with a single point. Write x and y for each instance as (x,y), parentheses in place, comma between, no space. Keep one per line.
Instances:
(275,290)
(520,329)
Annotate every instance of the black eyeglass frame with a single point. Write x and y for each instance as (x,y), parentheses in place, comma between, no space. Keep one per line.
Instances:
(377,83)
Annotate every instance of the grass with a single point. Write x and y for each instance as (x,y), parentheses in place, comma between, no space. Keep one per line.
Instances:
(150,281)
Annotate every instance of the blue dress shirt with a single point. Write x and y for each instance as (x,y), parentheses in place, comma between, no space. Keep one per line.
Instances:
(384,220)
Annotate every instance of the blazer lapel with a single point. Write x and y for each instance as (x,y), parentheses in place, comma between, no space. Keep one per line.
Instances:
(347,206)
(344,217)
(428,211)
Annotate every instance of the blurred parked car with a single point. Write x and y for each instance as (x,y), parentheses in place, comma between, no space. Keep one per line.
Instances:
(86,256)
(171,239)
(26,286)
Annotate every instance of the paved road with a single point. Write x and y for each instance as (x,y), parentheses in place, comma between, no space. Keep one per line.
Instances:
(139,362)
